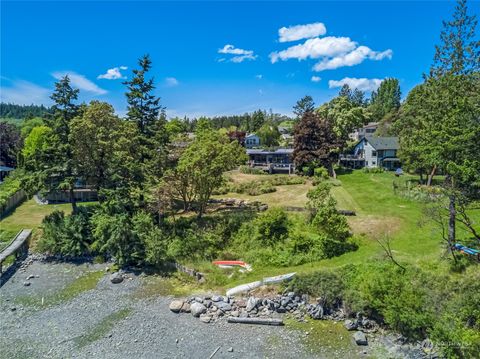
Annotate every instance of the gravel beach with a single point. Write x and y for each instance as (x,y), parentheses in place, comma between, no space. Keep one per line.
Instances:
(110,322)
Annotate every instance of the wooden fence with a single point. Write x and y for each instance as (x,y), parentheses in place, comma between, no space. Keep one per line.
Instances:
(13,202)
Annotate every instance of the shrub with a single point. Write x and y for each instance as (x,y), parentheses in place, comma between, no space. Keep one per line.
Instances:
(321,173)
(115,236)
(325,216)
(9,187)
(68,236)
(373,170)
(457,328)
(251,170)
(325,284)
(272,226)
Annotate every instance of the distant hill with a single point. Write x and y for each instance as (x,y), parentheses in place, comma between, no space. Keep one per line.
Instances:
(12,111)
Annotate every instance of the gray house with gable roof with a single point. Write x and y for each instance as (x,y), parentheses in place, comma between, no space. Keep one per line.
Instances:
(374,152)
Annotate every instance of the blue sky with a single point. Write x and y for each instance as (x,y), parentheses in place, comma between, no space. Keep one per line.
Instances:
(279,51)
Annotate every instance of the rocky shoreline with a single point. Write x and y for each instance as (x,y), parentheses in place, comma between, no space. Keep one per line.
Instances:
(163,324)
(259,310)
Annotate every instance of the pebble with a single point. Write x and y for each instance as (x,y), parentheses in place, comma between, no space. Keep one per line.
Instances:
(230,349)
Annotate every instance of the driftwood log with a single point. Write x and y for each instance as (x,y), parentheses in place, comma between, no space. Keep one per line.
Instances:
(261,321)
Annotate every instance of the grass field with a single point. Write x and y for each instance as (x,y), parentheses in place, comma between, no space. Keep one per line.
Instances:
(284,196)
(27,215)
(379,214)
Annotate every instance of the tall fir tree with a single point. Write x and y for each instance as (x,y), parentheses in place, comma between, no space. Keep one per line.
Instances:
(459,51)
(59,167)
(145,110)
(143,106)
(386,99)
(304,105)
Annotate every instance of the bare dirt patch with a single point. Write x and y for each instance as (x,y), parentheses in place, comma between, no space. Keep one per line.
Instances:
(375,227)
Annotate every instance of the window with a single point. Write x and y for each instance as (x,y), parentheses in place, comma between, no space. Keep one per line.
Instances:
(374,153)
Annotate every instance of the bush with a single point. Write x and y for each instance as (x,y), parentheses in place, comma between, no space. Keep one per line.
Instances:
(10,186)
(251,170)
(457,328)
(373,170)
(68,236)
(325,284)
(326,218)
(272,226)
(117,237)
(320,173)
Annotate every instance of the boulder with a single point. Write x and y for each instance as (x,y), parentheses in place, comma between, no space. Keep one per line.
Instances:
(241,303)
(197,308)
(205,318)
(116,278)
(217,298)
(350,324)
(360,338)
(176,306)
(223,306)
(26,284)
(185,308)
(251,304)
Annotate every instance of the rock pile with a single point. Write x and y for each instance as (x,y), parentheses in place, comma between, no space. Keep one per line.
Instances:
(211,308)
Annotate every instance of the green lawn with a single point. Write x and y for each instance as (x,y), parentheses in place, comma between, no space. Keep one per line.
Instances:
(27,215)
(284,196)
(380,213)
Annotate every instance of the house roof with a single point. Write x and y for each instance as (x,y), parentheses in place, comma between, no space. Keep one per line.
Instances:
(6,169)
(383,143)
(278,151)
(251,135)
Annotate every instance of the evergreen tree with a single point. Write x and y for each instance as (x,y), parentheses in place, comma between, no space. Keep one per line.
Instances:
(143,106)
(304,105)
(358,98)
(459,52)
(345,91)
(10,144)
(386,99)
(59,166)
(145,110)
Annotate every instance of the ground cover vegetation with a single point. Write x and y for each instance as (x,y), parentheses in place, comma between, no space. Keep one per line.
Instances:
(394,260)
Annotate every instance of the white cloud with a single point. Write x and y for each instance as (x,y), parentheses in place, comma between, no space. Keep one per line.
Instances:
(332,52)
(259,77)
(80,82)
(113,74)
(316,48)
(25,93)
(316,79)
(352,58)
(171,82)
(298,32)
(240,54)
(363,84)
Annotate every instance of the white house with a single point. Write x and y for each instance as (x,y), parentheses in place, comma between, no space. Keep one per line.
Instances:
(367,130)
(252,140)
(374,152)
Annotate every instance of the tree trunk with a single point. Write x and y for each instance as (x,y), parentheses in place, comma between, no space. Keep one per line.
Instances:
(430,176)
(73,201)
(421,177)
(451,220)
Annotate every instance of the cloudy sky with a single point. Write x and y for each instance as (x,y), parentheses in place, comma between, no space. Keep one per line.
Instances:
(212,58)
